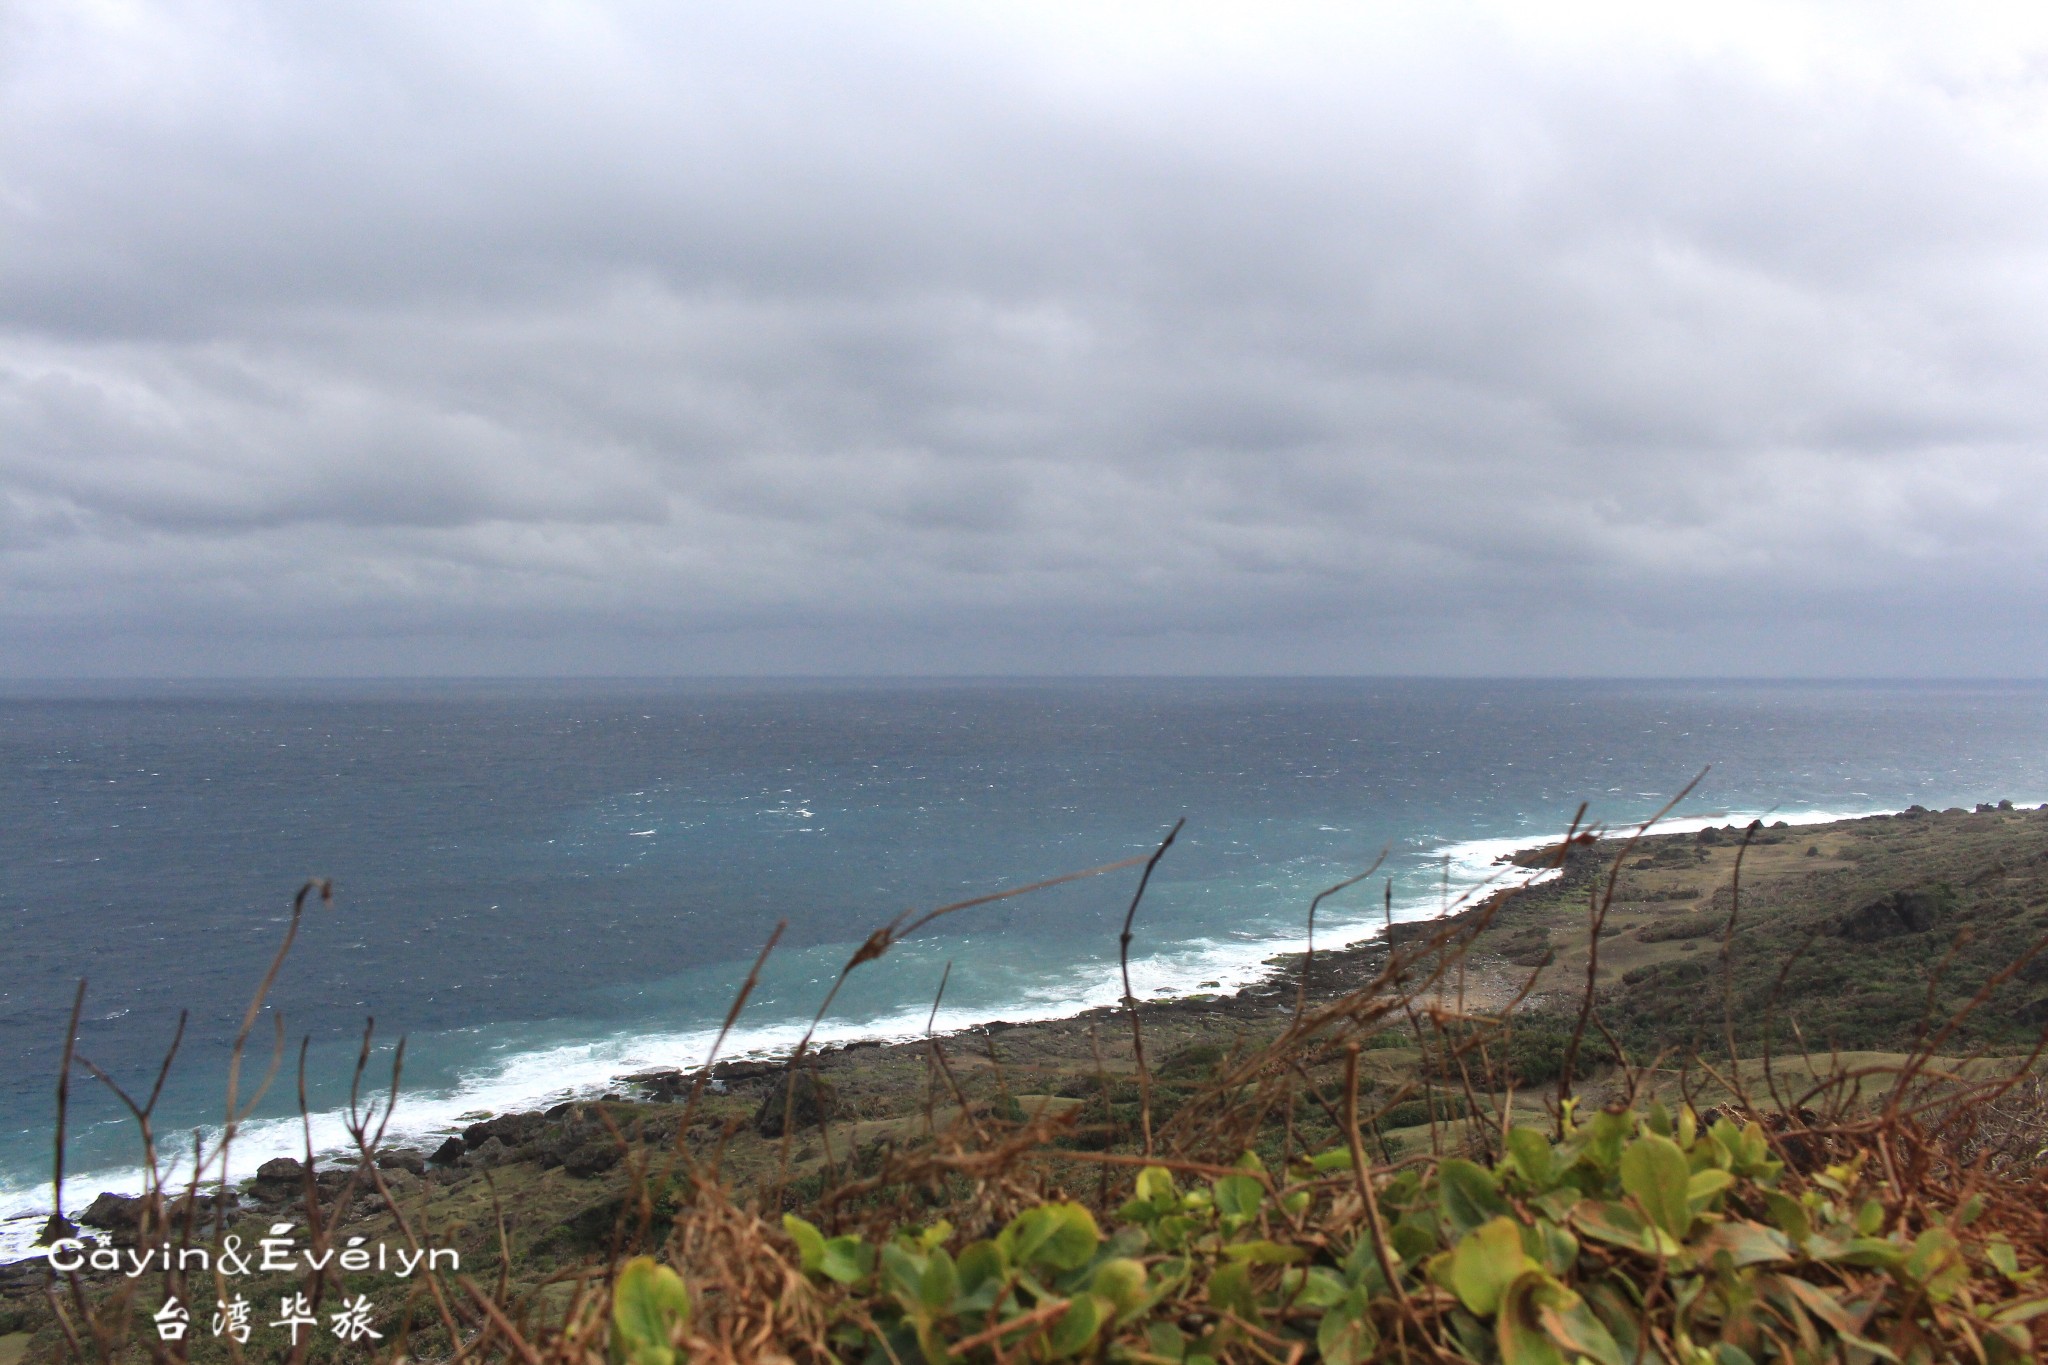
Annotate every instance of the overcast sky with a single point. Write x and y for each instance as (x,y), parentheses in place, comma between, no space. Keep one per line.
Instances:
(577,338)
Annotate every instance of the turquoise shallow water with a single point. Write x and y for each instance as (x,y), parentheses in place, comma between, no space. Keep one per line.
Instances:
(540,885)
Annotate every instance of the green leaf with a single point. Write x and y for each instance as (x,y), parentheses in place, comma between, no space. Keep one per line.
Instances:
(1165,1339)
(1602,1136)
(1230,1290)
(1316,1287)
(1868,1251)
(1239,1196)
(1518,1331)
(903,1274)
(1122,1282)
(1655,1173)
(1362,1265)
(1936,1262)
(1264,1253)
(1060,1236)
(1746,1243)
(1870,1218)
(1155,1187)
(1701,1189)
(1467,1194)
(1613,1311)
(847,1260)
(1789,1214)
(940,1283)
(650,1305)
(1485,1262)
(1074,1238)
(1025,1234)
(1821,1303)
(1567,1321)
(1411,1242)
(981,1263)
(1553,1247)
(810,1243)
(2026,1310)
(1622,1226)
(2001,1255)
(1346,1335)
(1077,1326)
(1530,1152)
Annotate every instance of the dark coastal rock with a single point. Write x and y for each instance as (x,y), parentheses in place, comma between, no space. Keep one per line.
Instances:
(200,1210)
(122,1214)
(280,1170)
(491,1152)
(1892,916)
(449,1152)
(114,1212)
(29,1272)
(334,1179)
(730,1072)
(806,1104)
(1554,855)
(279,1179)
(660,1087)
(509,1129)
(402,1159)
(594,1157)
(579,1143)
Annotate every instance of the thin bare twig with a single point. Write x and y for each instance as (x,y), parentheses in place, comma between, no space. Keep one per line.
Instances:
(1123,957)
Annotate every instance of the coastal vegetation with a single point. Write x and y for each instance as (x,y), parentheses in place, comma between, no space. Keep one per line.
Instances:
(1716,1098)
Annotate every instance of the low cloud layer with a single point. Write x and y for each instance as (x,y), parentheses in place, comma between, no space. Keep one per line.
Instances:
(637,339)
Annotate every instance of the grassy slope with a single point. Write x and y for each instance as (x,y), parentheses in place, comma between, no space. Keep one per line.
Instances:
(1661,967)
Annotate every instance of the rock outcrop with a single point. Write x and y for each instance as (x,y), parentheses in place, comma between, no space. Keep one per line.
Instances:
(807,1103)
(1901,912)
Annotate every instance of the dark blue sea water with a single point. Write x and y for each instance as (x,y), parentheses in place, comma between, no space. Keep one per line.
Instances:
(541,885)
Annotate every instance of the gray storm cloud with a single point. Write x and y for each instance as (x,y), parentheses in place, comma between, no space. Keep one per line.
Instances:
(934,339)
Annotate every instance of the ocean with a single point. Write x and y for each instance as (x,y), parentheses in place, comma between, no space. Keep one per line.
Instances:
(543,885)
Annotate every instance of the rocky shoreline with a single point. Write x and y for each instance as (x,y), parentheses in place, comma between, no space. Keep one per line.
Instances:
(570,1136)
(861,1085)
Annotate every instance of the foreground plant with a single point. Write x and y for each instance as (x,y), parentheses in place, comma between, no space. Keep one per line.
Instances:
(1638,1236)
